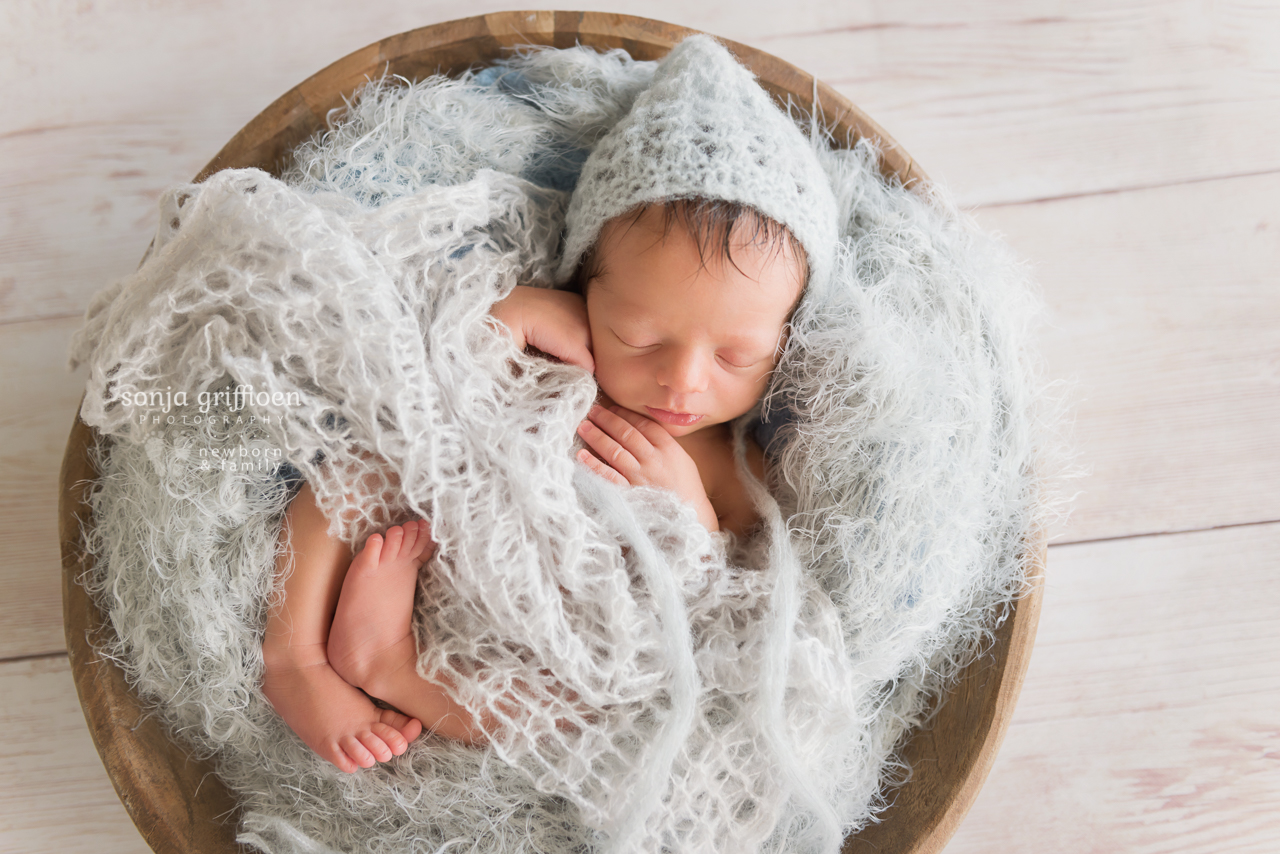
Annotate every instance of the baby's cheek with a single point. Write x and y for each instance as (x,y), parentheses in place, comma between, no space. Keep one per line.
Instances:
(745,396)
(617,382)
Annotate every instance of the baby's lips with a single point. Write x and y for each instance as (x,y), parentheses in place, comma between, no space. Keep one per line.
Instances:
(676,419)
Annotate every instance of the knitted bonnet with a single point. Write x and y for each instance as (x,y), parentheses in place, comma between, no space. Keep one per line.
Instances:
(704,128)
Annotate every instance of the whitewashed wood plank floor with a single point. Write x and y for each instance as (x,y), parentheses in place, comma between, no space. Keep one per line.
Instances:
(1126,149)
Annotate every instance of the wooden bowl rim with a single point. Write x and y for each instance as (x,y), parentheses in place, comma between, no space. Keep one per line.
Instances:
(152,781)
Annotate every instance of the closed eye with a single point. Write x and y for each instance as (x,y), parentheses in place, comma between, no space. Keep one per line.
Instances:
(624,342)
(738,361)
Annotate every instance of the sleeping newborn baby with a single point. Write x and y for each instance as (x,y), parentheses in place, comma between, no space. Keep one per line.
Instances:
(697,225)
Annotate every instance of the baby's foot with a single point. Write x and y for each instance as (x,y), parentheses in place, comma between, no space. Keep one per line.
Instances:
(375,610)
(333,718)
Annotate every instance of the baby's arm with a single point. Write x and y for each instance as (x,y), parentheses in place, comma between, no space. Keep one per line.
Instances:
(633,450)
(553,321)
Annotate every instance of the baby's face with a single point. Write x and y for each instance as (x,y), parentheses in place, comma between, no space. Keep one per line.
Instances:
(685,344)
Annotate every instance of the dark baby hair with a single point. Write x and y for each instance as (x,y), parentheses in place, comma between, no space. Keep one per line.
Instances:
(711,223)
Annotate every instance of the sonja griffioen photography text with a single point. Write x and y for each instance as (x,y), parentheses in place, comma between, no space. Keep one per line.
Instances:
(225,409)
(233,399)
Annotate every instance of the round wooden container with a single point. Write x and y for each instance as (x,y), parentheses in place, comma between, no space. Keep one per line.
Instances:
(178,804)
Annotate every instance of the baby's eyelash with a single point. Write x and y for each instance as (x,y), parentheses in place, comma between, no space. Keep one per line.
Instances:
(627,343)
(734,364)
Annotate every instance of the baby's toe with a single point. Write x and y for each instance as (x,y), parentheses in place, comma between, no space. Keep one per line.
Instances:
(409,728)
(422,544)
(410,539)
(339,758)
(357,752)
(376,745)
(373,546)
(394,540)
(391,737)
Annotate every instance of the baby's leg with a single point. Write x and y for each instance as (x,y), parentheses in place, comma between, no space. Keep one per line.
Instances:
(372,643)
(335,719)
(375,610)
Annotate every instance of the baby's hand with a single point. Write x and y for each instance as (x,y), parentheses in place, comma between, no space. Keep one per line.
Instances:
(631,449)
(553,321)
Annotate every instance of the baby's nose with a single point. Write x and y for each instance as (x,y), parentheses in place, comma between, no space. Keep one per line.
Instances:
(685,371)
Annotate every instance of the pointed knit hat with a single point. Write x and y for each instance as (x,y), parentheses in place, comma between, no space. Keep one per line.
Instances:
(704,128)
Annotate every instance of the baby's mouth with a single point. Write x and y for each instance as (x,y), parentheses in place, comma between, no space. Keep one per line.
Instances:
(676,419)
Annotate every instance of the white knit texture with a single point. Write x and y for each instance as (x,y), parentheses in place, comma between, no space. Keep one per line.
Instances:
(747,700)
(706,129)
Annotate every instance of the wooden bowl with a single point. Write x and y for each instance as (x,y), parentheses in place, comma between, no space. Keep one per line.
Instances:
(178,804)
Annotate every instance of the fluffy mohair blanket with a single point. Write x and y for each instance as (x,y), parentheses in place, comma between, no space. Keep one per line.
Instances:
(680,691)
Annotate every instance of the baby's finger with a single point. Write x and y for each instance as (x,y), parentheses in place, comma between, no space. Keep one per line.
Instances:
(589,460)
(650,429)
(623,432)
(568,345)
(608,449)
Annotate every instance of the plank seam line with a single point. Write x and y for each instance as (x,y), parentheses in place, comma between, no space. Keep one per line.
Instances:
(53,128)
(37,318)
(1256,524)
(35,656)
(1136,188)
(913,25)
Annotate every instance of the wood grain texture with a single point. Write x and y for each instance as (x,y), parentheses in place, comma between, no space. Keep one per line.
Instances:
(1147,722)
(38,397)
(54,795)
(108,104)
(1022,101)
(1007,102)
(1165,312)
(78,207)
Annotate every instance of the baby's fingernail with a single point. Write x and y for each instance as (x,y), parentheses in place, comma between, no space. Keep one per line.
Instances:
(584,427)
